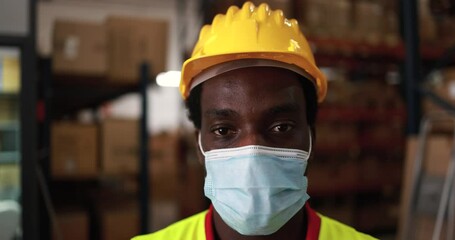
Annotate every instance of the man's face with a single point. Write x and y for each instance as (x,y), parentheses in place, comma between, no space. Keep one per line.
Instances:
(254,106)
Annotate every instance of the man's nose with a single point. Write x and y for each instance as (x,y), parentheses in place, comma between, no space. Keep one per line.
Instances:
(251,138)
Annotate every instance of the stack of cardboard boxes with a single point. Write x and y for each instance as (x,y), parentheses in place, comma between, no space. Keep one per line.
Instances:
(110,151)
(72,224)
(358,153)
(117,220)
(374,22)
(106,152)
(114,49)
(364,21)
(97,152)
(87,150)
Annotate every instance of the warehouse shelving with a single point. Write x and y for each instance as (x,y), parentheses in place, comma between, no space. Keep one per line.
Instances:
(64,95)
(11,129)
(350,48)
(12,153)
(368,161)
(8,157)
(350,114)
(26,154)
(353,57)
(75,92)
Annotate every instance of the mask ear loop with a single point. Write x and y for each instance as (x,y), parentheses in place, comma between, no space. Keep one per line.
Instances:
(200,144)
(311,143)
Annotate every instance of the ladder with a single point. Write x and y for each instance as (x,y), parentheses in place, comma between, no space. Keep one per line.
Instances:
(446,205)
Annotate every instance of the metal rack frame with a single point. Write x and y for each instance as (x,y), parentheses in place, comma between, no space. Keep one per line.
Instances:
(48,91)
(27,98)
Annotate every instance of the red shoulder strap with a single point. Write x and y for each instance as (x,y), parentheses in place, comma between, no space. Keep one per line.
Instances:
(209,224)
(314,223)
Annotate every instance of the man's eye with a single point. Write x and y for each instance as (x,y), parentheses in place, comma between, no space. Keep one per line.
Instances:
(282,128)
(222,131)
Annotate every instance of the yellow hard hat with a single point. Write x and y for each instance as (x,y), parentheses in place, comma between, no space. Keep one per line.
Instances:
(251,33)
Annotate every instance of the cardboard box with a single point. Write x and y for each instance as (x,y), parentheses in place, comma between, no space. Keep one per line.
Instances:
(446,36)
(332,177)
(438,155)
(376,215)
(424,228)
(133,41)
(191,173)
(378,171)
(345,139)
(164,166)
(72,224)
(120,146)
(79,48)
(163,214)
(119,221)
(341,209)
(435,164)
(74,150)
(191,195)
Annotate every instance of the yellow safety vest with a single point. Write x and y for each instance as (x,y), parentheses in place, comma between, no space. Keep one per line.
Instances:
(194,228)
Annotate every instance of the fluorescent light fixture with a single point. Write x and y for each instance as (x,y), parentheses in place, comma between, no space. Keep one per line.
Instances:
(168,79)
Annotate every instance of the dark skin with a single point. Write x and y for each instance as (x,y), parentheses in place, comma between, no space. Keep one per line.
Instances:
(255,106)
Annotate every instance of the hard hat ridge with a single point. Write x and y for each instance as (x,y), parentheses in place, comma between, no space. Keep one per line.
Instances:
(251,33)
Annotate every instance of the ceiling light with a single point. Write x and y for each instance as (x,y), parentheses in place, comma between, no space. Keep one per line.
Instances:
(168,79)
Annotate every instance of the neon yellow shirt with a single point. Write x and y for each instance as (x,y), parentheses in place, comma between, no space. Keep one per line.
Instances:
(199,227)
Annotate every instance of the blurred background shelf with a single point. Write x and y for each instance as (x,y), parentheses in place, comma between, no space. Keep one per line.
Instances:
(69,93)
(9,95)
(351,114)
(9,157)
(361,50)
(9,143)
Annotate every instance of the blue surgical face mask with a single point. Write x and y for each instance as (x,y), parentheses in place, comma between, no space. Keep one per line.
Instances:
(256,189)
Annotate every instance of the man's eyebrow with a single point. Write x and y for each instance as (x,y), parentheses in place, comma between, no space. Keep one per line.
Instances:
(221,113)
(284,108)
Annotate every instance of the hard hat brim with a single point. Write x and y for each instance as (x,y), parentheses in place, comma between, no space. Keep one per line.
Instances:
(194,66)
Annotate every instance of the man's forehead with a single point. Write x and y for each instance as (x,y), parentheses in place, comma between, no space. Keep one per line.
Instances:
(284,108)
(257,75)
(239,64)
(263,89)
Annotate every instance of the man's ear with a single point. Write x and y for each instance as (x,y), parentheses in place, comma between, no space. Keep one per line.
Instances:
(200,157)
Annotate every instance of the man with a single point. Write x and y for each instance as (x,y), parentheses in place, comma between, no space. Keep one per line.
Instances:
(252,89)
